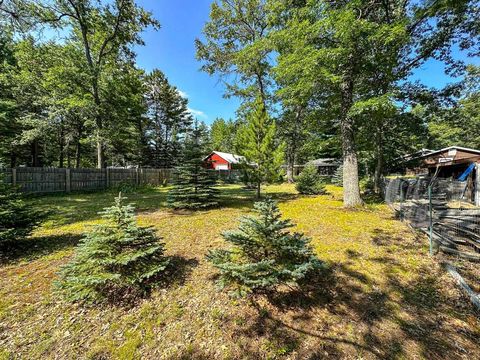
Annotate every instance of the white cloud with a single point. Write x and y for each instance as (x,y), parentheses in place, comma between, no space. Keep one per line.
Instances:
(182,94)
(198,113)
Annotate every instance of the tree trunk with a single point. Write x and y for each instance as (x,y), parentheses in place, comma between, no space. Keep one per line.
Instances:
(144,157)
(77,154)
(13,160)
(351,188)
(261,89)
(62,147)
(78,148)
(379,165)
(35,160)
(294,137)
(95,74)
(290,165)
(68,152)
(61,159)
(99,125)
(100,155)
(290,168)
(258,190)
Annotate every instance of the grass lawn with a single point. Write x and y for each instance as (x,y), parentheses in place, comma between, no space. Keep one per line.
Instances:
(383,296)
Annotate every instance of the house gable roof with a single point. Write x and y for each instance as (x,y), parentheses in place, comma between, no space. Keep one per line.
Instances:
(231,158)
(324,162)
(474,151)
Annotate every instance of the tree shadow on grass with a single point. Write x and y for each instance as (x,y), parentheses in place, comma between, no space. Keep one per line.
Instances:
(432,324)
(388,239)
(314,291)
(177,272)
(245,198)
(330,289)
(388,318)
(36,247)
(67,209)
(235,199)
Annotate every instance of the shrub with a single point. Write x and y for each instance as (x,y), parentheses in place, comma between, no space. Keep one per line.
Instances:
(125,187)
(367,184)
(116,260)
(264,254)
(309,182)
(17,219)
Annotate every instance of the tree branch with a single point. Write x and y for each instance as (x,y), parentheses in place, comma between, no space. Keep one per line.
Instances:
(109,39)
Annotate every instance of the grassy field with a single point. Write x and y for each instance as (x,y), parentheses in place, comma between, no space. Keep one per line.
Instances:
(382,297)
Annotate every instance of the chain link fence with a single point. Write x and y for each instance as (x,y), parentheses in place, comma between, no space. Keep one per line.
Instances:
(444,209)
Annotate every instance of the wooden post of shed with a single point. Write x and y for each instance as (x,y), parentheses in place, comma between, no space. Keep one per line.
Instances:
(14,176)
(68,180)
(477,184)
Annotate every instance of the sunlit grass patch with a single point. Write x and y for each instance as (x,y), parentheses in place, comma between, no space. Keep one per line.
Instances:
(383,296)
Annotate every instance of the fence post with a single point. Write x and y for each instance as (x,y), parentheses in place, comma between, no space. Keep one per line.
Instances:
(107,177)
(68,180)
(430,211)
(137,176)
(477,184)
(14,176)
(401,199)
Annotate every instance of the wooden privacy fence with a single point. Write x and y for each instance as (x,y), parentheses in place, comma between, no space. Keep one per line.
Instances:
(49,180)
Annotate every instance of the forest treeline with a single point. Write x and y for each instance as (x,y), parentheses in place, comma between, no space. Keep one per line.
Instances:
(326,78)
(71,93)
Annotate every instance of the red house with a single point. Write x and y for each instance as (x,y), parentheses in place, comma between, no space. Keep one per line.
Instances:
(223,161)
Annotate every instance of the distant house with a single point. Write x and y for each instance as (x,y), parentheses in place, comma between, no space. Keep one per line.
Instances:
(450,162)
(325,166)
(223,161)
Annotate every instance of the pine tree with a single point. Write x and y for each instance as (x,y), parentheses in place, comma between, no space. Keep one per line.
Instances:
(264,254)
(309,182)
(193,183)
(257,143)
(337,178)
(17,219)
(168,119)
(116,260)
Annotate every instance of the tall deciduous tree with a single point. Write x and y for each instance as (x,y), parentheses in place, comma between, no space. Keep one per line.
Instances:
(235,43)
(106,32)
(351,55)
(328,48)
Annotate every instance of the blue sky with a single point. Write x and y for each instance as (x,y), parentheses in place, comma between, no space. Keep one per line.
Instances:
(172,50)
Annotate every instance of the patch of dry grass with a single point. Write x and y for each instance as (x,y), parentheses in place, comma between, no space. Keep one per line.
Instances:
(383,296)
